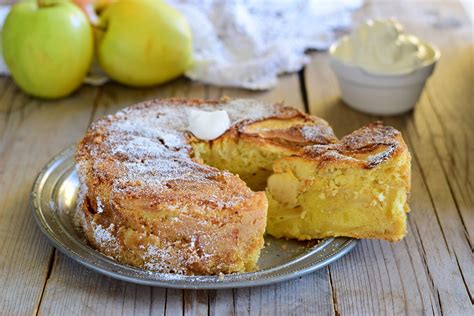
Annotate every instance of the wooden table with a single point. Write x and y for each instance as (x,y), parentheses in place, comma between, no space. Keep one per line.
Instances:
(430,272)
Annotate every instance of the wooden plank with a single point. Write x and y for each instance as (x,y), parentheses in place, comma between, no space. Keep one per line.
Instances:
(32,131)
(288,91)
(434,238)
(436,254)
(442,127)
(196,303)
(446,121)
(370,279)
(221,302)
(308,295)
(97,294)
(174,302)
(8,91)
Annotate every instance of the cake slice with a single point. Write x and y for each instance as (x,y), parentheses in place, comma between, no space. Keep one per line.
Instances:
(357,187)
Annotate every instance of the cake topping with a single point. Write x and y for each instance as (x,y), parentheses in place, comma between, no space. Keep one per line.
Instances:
(208,125)
(370,145)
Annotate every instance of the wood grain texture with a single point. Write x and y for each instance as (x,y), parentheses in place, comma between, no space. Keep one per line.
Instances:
(440,132)
(429,272)
(28,141)
(437,254)
(374,278)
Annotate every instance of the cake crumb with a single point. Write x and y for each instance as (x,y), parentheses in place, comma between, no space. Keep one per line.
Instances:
(381,197)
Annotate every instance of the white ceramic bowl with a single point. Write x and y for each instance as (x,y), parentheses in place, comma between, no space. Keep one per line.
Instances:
(381,94)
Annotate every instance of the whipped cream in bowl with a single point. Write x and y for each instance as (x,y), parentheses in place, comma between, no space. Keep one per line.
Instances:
(382,70)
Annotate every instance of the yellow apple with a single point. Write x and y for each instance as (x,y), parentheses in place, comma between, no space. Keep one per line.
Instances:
(143,42)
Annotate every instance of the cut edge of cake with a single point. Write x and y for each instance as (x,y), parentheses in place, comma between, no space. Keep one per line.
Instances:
(358,187)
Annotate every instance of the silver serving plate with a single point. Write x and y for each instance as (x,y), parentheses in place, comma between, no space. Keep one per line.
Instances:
(54,198)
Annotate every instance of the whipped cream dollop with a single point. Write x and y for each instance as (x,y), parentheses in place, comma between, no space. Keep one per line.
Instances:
(382,47)
(207,125)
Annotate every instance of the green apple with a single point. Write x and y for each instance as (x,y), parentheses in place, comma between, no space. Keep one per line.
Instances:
(47,46)
(143,42)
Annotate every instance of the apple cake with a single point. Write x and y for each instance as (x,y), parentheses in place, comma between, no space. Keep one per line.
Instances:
(357,187)
(156,197)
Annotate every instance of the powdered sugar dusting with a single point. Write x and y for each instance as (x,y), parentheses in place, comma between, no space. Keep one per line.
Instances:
(143,151)
(158,259)
(104,236)
(312,132)
(319,133)
(148,144)
(100,206)
(171,120)
(174,256)
(368,146)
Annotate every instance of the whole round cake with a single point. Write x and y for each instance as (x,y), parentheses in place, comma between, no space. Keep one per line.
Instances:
(155,196)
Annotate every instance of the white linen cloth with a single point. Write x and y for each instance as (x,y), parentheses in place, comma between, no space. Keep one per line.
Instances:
(248,43)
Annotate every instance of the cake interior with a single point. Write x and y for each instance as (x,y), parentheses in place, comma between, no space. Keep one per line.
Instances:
(307,201)
(252,162)
(311,200)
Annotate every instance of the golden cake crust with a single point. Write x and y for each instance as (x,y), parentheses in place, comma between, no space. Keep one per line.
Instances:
(367,147)
(147,202)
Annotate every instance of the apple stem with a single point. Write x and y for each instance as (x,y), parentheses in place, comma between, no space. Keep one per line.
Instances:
(43,3)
